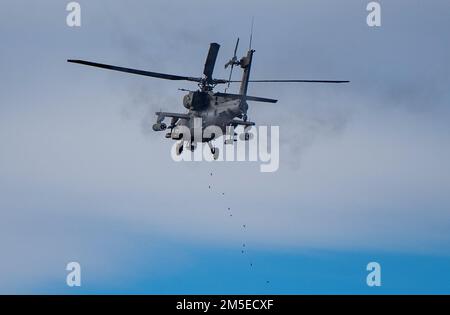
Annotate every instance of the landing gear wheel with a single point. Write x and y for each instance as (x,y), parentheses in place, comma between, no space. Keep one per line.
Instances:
(192,146)
(179,148)
(215,153)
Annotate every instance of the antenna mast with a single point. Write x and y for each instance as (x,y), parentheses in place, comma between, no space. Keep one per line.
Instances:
(251,34)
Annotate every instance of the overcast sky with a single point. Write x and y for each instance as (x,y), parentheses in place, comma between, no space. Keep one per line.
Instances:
(364,166)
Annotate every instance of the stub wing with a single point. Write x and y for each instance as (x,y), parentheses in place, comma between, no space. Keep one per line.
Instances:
(162,115)
(236,122)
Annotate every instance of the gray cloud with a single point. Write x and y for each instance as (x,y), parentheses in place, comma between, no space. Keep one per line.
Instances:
(363,165)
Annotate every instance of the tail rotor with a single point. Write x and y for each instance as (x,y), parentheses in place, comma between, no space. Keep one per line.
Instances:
(232,62)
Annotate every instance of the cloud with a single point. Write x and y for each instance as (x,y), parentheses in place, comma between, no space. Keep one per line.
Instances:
(363,166)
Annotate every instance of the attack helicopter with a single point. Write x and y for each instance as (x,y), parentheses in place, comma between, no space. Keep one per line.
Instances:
(220,109)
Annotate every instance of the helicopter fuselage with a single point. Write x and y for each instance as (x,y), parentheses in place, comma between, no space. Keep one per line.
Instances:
(209,110)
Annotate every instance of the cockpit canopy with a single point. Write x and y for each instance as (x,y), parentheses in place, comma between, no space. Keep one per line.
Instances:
(196,100)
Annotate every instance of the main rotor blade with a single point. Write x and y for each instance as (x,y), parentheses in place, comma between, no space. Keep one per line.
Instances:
(211,60)
(246,97)
(232,61)
(236,47)
(292,81)
(135,71)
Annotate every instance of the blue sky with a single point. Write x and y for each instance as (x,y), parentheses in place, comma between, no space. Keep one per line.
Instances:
(363,175)
(207,270)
